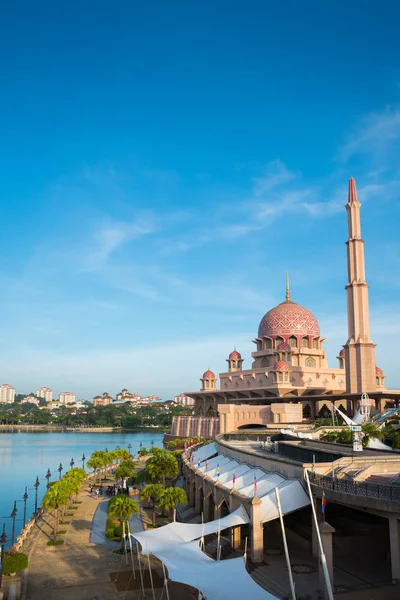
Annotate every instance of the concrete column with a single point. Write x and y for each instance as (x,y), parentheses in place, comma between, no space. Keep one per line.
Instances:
(326,532)
(257,538)
(197,499)
(394,537)
(236,537)
(318,510)
(206,508)
(191,490)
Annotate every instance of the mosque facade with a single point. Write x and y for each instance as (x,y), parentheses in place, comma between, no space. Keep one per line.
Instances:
(290,380)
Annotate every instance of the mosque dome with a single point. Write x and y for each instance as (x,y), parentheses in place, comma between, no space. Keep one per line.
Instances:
(281,365)
(379,372)
(235,355)
(208,375)
(283,347)
(342,352)
(286,319)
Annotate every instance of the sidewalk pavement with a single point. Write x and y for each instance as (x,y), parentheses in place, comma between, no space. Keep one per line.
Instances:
(98,528)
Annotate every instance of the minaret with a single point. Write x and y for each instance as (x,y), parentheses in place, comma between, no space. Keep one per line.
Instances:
(359,348)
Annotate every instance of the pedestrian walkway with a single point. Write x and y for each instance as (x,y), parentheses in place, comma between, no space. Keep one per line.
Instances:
(79,569)
(98,527)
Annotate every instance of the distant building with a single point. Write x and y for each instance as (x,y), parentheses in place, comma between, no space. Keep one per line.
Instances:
(127,396)
(30,399)
(103,400)
(184,400)
(7,393)
(66,398)
(45,393)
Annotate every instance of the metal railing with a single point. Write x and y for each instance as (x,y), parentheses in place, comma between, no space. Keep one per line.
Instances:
(390,493)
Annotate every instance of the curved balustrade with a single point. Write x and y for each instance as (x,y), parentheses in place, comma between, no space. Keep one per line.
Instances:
(390,493)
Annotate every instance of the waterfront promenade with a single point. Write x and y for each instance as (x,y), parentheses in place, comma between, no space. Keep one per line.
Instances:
(77,570)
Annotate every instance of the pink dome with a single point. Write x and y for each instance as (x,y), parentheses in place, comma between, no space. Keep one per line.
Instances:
(281,365)
(235,355)
(342,352)
(379,372)
(208,375)
(286,319)
(284,347)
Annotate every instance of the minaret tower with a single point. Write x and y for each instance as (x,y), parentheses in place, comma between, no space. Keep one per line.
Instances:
(359,348)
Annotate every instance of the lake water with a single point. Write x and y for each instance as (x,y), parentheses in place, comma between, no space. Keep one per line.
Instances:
(23,456)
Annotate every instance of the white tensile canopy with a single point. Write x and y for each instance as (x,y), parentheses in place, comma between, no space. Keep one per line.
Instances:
(204,452)
(175,534)
(217,580)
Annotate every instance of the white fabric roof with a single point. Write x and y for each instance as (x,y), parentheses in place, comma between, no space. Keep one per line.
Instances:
(204,452)
(292,497)
(174,534)
(210,464)
(239,471)
(264,485)
(217,580)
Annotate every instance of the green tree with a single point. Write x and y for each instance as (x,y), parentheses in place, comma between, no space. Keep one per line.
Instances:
(125,470)
(153,492)
(171,497)
(371,431)
(162,465)
(55,498)
(123,508)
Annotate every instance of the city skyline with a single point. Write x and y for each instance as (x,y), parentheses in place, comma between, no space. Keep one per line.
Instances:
(153,206)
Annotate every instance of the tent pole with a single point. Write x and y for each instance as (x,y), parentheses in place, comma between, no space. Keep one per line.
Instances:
(131,549)
(278,502)
(218,538)
(124,536)
(245,551)
(140,570)
(165,582)
(202,532)
(151,575)
(321,549)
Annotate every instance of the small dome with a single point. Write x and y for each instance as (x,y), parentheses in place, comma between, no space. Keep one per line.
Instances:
(342,352)
(379,372)
(281,365)
(284,347)
(208,375)
(235,355)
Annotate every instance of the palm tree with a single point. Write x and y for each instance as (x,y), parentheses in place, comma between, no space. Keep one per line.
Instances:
(371,431)
(95,463)
(171,497)
(152,491)
(123,508)
(55,498)
(125,470)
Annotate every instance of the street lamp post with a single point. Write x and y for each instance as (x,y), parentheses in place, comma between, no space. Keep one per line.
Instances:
(152,443)
(60,468)
(13,515)
(48,475)
(83,461)
(3,541)
(25,498)
(129,448)
(36,485)
(71,464)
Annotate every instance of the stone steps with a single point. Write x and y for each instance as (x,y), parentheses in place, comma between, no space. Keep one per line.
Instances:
(264,580)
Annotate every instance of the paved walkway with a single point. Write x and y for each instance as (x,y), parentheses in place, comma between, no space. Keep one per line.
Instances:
(79,569)
(98,527)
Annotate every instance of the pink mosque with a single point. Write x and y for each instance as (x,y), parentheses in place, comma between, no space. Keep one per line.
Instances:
(290,380)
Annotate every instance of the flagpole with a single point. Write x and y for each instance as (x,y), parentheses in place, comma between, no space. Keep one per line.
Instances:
(321,549)
(219,537)
(278,502)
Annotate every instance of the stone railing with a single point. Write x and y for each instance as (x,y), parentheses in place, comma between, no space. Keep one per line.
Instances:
(378,491)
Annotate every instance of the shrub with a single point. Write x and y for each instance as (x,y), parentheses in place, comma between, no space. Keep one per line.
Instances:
(57,543)
(12,563)
(118,531)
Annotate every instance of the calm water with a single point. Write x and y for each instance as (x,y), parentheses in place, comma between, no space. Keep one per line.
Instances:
(23,456)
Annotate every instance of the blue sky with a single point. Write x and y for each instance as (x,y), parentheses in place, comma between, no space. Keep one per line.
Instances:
(164,164)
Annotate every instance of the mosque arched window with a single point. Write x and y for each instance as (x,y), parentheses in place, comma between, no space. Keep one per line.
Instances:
(310,362)
(306,411)
(315,343)
(278,340)
(265,362)
(293,342)
(210,412)
(377,381)
(268,344)
(304,342)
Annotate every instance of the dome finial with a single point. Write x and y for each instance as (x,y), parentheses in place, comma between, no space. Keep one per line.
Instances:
(287,286)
